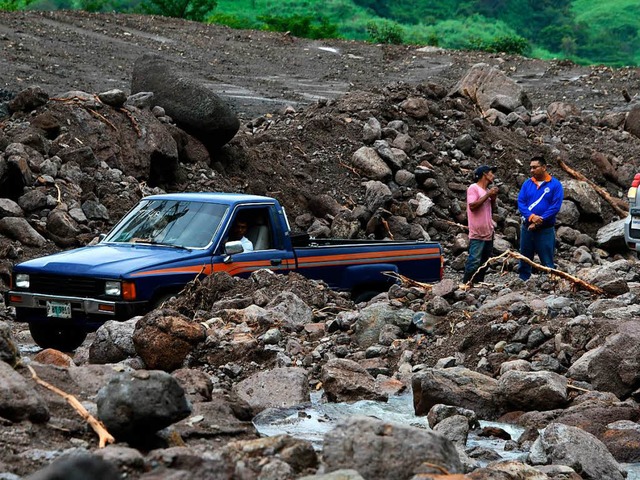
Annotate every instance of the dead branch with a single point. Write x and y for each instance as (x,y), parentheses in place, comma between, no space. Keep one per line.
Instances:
(575,280)
(459,225)
(98,427)
(619,206)
(385,224)
(355,172)
(409,282)
(133,121)
(101,117)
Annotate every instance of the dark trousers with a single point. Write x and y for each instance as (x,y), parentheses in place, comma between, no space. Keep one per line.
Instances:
(479,252)
(542,242)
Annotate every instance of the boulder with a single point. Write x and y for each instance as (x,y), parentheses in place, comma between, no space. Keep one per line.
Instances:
(279,387)
(135,405)
(346,381)
(387,451)
(163,338)
(575,448)
(490,88)
(458,387)
(193,107)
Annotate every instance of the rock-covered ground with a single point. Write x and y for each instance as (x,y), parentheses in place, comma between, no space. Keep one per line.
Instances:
(356,141)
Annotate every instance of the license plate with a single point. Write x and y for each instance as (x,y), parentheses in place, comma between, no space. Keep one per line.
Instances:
(635,223)
(58,310)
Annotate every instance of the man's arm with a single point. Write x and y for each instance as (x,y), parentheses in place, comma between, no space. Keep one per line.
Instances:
(475,200)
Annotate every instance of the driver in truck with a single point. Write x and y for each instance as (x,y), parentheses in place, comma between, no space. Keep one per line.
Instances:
(238,232)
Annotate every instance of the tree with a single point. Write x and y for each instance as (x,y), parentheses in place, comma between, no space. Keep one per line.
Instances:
(13,5)
(189,9)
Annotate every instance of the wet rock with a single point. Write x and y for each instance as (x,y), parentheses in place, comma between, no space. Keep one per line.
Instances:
(298,454)
(532,390)
(387,451)
(164,338)
(138,404)
(575,448)
(342,474)
(455,428)
(78,468)
(279,387)
(457,386)
(345,381)
(113,342)
(18,399)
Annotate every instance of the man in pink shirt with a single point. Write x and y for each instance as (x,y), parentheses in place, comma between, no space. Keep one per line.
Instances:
(480,203)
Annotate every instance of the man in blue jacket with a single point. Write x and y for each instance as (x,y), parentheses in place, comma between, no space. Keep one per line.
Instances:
(539,202)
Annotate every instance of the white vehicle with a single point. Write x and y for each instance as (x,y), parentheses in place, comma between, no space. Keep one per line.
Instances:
(632,223)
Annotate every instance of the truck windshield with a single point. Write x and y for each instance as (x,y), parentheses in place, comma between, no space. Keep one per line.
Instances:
(176,223)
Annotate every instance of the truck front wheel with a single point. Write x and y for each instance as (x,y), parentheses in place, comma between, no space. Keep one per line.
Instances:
(59,337)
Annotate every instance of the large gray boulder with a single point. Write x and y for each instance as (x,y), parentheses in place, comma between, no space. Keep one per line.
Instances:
(571,446)
(135,405)
(193,107)
(387,451)
(490,88)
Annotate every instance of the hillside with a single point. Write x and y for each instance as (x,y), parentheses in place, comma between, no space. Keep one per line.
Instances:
(305,108)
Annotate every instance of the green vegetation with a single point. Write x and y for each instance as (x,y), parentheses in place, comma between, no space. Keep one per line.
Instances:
(584,31)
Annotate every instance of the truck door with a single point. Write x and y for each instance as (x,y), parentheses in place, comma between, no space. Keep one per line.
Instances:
(266,248)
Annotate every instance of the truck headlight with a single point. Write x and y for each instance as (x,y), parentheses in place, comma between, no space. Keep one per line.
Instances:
(22,280)
(113,289)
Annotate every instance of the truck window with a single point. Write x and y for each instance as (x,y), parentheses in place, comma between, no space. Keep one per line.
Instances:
(259,231)
(170,222)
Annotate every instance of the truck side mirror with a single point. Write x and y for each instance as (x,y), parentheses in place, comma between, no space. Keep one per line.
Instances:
(101,237)
(234,247)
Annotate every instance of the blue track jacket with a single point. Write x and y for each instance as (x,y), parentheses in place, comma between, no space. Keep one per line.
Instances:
(544,199)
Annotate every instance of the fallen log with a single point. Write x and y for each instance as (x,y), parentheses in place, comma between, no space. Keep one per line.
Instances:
(103,435)
(619,206)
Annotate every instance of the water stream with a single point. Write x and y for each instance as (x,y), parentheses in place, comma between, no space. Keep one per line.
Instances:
(311,421)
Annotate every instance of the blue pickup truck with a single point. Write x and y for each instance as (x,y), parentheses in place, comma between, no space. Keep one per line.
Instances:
(168,240)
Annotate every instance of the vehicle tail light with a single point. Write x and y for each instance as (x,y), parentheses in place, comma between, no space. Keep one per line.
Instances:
(128,291)
(107,308)
(631,245)
(633,190)
(15,298)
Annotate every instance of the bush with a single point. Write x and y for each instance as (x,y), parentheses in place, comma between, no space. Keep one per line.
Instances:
(300,26)
(387,32)
(233,21)
(512,44)
(189,9)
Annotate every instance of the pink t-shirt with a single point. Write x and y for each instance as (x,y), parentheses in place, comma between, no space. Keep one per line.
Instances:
(481,224)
